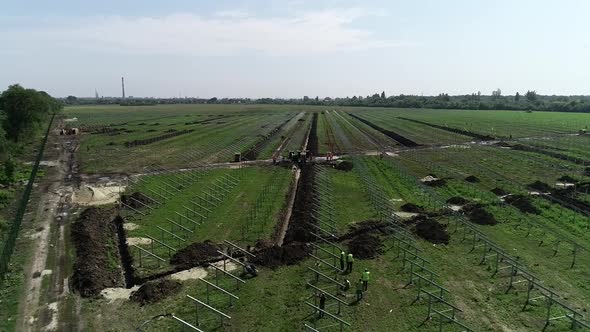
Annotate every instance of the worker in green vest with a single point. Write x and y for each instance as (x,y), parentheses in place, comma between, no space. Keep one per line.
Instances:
(349,261)
(342,258)
(359,291)
(365,277)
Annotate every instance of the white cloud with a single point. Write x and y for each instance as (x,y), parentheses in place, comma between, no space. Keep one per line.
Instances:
(224,33)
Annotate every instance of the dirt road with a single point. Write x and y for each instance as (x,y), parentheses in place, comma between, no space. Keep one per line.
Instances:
(48,305)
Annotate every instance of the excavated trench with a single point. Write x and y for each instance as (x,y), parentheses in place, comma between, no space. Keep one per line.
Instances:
(452,130)
(562,196)
(124,253)
(253,152)
(312,144)
(94,235)
(534,149)
(399,138)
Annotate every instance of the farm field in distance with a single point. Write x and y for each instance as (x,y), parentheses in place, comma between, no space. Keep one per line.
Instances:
(468,220)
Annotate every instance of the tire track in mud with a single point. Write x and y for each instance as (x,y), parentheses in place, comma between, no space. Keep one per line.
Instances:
(399,138)
(452,130)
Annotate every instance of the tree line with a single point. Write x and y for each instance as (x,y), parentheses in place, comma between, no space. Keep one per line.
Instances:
(528,101)
(23,113)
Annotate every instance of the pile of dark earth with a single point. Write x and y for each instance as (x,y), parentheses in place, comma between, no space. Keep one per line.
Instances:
(540,186)
(413,208)
(344,165)
(364,239)
(522,203)
(94,235)
(274,256)
(301,222)
(472,179)
(155,291)
(476,213)
(499,191)
(457,200)
(436,183)
(429,229)
(195,254)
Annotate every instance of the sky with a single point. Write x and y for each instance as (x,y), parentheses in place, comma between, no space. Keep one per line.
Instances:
(293,48)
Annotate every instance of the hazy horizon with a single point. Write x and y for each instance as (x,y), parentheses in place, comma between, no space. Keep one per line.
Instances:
(288,49)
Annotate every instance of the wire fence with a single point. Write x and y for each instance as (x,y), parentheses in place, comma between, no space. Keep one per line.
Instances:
(12,235)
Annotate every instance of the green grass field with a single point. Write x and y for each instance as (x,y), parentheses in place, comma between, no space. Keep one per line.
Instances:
(542,147)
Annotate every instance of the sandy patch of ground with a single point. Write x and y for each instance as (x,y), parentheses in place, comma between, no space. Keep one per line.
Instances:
(118,293)
(53,324)
(429,178)
(89,195)
(48,163)
(455,207)
(405,215)
(71,120)
(201,272)
(134,241)
(564,185)
(129,226)
(190,274)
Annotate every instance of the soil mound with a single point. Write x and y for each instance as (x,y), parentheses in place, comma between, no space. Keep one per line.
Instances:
(457,200)
(409,207)
(587,171)
(567,179)
(155,291)
(478,215)
(523,203)
(365,246)
(540,186)
(195,254)
(344,165)
(95,238)
(430,229)
(367,226)
(499,191)
(436,183)
(472,179)
(274,256)
(136,200)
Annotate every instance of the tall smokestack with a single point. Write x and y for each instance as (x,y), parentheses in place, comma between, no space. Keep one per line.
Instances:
(123,87)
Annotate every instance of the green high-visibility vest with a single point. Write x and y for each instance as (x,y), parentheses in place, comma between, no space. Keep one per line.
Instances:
(349,258)
(366,275)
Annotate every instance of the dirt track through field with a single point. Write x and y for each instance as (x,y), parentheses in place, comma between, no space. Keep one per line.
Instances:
(52,216)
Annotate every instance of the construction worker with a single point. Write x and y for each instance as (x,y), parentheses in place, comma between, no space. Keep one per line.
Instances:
(250,269)
(345,285)
(322,305)
(365,277)
(349,261)
(359,290)
(342,258)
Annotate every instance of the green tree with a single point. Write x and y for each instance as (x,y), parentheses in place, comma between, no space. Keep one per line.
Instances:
(25,110)
(517,97)
(531,96)
(383,95)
